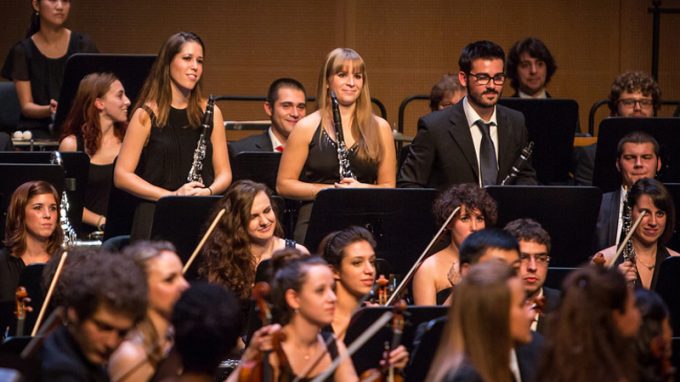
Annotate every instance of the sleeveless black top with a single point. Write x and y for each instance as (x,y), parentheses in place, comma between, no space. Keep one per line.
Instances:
(322,165)
(332,351)
(99,182)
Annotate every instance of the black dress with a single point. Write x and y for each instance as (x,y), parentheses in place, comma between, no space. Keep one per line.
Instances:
(165,162)
(99,182)
(661,255)
(332,351)
(322,167)
(25,62)
(10,270)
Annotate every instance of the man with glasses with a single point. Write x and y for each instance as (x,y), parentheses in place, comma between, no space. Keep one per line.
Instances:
(474,141)
(634,94)
(534,256)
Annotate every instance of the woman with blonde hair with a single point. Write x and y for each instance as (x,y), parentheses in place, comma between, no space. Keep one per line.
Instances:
(158,150)
(96,125)
(310,160)
(489,314)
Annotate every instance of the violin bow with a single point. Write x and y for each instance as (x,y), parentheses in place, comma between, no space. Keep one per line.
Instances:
(203,240)
(628,236)
(50,291)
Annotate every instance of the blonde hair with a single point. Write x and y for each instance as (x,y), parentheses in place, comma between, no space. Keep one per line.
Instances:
(478,327)
(365,124)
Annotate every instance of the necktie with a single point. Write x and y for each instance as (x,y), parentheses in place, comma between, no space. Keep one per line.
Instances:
(279,148)
(487,156)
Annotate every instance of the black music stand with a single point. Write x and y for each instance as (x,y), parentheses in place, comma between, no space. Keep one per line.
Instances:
(668,287)
(182,220)
(14,175)
(400,219)
(568,214)
(665,130)
(258,166)
(552,124)
(674,190)
(369,355)
(423,353)
(76,168)
(131,70)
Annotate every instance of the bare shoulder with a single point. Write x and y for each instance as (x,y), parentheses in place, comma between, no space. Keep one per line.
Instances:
(128,352)
(309,123)
(382,123)
(302,248)
(68,144)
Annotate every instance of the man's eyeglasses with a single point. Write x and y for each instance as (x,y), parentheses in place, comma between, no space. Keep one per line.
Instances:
(541,258)
(630,102)
(483,78)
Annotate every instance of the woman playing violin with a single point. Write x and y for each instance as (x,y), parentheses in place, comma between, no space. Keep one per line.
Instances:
(303,303)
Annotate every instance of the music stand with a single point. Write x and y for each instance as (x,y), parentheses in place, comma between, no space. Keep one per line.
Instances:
(665,130)
(400,219)
(674,190)
(76,168)
(668,287)
(423,354)
(14,175)
(568,214)
(369,355)
(551,124)
(131,70)
(182,220)
(258,166)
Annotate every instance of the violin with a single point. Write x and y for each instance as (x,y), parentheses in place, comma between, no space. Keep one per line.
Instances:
(386,373)
(260,369)
(21,300)
(382,284)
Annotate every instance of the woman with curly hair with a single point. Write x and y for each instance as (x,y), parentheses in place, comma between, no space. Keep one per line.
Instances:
(96,125)
(247,234)
(441,271)
(32,232)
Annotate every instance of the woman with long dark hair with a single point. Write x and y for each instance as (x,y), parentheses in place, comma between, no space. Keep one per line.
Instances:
(158,150)
(96,125)
(36,64)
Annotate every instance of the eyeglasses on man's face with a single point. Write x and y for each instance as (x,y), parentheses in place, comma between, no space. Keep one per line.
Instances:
(484,78)
(630,102)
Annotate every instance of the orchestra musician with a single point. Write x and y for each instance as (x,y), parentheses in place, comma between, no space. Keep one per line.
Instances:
(148,344)
(488,316)
(303,304)
(648,241)
(103,297)
(350,253)
(589,338)
(158,149)
(246,235)
(477,211)
(32,233)
(96,125)
(36,64)
(310,162)
(653,346)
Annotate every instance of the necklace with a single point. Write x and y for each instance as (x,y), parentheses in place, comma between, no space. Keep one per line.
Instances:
(649,267)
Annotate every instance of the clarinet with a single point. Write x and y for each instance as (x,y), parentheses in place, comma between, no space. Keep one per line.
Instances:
(70,236)
(627,222)
(201,146)
(343,155)
(523,158)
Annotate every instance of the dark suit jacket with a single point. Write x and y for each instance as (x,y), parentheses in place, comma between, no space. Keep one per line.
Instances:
(583,164)
(528,357)
(607,221)
(260,142)
(552,301)
(443,154)
(64,361)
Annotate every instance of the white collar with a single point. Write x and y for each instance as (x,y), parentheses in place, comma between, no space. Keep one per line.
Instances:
(540,95)
(275,141)
(472,116)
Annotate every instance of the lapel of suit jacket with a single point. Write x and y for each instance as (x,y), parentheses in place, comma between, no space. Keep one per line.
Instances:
(504,143)
(460,132)
(615,205)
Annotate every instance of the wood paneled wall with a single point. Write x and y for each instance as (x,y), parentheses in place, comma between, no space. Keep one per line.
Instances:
(407,45)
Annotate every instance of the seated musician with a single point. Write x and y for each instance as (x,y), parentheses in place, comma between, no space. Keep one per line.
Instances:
(96,125)
(641,260)
(207,325)
(477,210)
(247,234)
(351,256)
(286,104)
(488,316)
(303,304)
(598,317)
(32,233)
(138,357)
(446,92)
(104,296)
(534,256)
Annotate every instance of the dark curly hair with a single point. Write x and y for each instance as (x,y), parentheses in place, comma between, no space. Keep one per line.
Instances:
(15,225)
(637,81)
(536,49)
(83,119)
(104,279)
(290,267)
(469,195)
(226,255)
(333,246)
(583,342)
